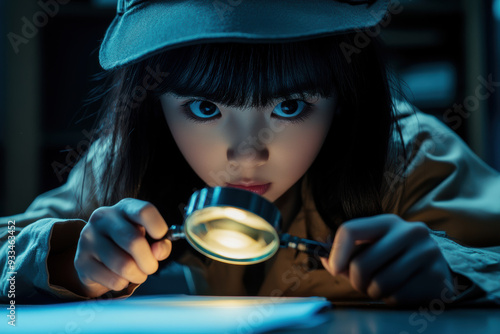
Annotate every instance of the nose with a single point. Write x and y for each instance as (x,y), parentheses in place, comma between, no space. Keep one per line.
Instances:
(248,153)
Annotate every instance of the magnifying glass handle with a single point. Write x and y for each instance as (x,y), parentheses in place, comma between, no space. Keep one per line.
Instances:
(311,247)
(175,232)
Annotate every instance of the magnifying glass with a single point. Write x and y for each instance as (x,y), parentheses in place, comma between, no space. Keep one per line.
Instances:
(237,226)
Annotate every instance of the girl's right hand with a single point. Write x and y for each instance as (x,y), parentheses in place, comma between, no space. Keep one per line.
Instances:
(113,251)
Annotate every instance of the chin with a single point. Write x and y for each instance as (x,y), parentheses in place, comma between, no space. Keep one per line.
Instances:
(274,196)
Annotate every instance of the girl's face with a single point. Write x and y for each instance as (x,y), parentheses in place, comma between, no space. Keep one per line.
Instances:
(265,150)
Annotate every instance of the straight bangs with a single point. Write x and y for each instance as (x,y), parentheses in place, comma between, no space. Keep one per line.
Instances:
(249,75)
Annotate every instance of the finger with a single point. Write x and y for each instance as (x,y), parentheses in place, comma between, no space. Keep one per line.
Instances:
(362,229)
(128,236)
(145,214)
(98,279)
(401,270)
(161,249)
(413,292)
(118,261)
(363,267)
(326,265)
(430,283)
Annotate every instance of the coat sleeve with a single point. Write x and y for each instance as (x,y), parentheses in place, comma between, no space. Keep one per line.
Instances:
(457,195)
(26,239)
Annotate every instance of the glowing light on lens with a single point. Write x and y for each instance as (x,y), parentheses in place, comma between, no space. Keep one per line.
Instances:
(231,235)
(234,214)
(229,239)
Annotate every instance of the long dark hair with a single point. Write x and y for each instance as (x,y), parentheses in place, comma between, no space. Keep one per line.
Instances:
(348,175)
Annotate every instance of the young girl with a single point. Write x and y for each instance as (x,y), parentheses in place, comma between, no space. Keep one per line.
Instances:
(272,99)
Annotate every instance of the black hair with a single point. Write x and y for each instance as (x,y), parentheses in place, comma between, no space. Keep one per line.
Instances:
(347,177)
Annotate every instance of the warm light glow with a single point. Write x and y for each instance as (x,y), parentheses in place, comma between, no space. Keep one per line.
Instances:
(234,214)
(231,235)
(230,239)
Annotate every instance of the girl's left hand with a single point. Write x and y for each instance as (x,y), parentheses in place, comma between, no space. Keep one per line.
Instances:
(401,265)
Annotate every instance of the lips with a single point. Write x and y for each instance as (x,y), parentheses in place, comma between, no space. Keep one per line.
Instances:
(255,188)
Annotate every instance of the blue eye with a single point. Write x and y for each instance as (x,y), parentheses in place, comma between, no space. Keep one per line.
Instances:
(203,110)
(290,108)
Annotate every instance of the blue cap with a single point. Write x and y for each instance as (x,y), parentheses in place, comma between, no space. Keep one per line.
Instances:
(143,28)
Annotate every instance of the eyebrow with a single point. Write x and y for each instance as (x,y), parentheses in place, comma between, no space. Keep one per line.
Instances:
(291,95)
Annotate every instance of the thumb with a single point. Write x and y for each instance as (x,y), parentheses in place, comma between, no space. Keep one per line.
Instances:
(161,249)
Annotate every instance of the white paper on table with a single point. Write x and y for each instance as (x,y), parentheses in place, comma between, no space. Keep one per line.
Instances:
(171,314)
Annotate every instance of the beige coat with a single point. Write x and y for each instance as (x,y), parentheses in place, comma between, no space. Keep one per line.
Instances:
(447,187)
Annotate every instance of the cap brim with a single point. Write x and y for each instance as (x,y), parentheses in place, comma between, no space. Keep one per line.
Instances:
(153,26)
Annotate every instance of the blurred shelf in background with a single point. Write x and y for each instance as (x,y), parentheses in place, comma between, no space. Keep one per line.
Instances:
(48,77)
(443,51)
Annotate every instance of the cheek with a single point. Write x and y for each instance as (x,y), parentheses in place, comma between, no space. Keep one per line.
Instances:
(301,152)
(300,146)
(201,150)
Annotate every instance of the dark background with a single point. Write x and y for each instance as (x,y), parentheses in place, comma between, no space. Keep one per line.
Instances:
(439,48)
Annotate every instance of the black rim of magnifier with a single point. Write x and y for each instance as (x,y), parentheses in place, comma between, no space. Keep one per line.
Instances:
(234,198)
(237,198)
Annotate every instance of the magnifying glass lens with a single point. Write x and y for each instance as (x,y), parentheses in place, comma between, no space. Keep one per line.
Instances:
(231,235)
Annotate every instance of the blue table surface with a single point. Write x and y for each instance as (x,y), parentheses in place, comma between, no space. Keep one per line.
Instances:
(246,315)
(417,321)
